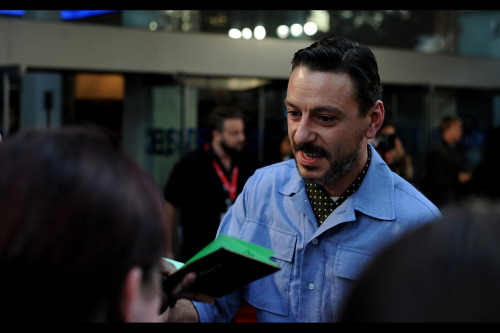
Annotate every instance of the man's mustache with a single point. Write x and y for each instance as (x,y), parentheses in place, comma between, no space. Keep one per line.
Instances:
(310,149)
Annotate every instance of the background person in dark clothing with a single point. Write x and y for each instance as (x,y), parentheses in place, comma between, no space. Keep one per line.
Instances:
(485,180)
(205,183)
(445,179)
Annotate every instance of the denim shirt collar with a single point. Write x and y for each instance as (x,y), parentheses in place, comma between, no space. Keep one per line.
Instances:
(375,196)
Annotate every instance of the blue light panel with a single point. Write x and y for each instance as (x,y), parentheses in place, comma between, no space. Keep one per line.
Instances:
(78,14)
(12,12)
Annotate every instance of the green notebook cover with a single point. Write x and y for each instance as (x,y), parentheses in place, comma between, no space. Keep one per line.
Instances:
(224,265)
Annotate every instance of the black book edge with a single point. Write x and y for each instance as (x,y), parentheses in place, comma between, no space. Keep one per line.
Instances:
(220,273)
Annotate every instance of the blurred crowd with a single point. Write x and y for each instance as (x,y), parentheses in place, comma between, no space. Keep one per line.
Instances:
(447,177)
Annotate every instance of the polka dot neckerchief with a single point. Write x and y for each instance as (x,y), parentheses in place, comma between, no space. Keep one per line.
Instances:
(320,200)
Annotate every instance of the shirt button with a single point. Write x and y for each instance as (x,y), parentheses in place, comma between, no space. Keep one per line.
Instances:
(315,241)
(311,285)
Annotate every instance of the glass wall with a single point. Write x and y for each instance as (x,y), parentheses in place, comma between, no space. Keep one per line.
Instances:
(158,118)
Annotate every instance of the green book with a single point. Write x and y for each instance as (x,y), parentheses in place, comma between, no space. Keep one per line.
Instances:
(224,265)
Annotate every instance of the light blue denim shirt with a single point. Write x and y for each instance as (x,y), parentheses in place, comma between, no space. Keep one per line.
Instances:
(318,265)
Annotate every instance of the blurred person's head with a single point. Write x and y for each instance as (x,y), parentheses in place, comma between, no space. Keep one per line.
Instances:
(388,128)
(227,129)
(385,142)
(81,230)
(385,146)
(445,271)
(450,128)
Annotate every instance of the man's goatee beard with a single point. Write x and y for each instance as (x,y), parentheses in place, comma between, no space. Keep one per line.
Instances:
(337,168)
(234,153)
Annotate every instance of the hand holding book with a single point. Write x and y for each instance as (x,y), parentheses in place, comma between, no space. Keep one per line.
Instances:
(181,290)
(224,265)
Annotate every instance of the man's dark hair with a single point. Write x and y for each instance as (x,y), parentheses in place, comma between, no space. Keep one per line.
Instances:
(341,55)
(220,114)
(447,121)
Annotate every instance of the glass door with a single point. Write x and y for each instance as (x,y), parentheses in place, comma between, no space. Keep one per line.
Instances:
(10,80)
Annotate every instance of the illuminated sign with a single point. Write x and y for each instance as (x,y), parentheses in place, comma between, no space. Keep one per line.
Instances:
(65,14)
(12,12)
(78,14)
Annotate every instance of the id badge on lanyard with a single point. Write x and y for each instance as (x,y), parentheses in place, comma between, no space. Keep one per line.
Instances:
(229,203)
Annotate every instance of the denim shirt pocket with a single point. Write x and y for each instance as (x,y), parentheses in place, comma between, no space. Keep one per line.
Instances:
(271,293)
(347,268)
(349,263)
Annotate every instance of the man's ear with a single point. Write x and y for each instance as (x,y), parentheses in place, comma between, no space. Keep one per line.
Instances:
(131,293)
(215,133)
(376,115)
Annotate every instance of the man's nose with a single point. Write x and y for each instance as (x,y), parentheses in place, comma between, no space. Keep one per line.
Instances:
(304,132)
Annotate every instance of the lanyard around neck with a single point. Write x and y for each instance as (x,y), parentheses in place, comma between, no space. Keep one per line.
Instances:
(230,187)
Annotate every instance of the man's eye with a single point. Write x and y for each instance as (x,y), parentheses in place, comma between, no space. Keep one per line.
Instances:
(326,119)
